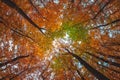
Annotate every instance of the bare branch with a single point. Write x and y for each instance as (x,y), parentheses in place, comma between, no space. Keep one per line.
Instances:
(12,60)
(37,10)
(115,21)
(101,9)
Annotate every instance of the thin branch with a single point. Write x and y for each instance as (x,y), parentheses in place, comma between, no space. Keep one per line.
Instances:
(113,22)
(101,9)
(17,31)
(30,1)
(12,60)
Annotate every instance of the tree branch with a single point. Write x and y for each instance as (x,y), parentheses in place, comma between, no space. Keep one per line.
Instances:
(101,9)
(115,21)
(15,59)
(30,1)
(16,30)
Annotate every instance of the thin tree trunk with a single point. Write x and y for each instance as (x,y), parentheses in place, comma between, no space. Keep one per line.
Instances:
(109,62)
(96,73)
(20,11)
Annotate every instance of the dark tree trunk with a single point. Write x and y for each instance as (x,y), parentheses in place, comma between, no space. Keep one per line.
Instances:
(20,11)
(96,73)
(109,62)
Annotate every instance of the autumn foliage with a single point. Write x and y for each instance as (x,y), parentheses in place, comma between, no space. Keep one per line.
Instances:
(59,39)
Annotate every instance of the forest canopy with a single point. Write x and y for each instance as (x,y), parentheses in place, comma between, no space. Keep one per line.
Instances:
(59,39)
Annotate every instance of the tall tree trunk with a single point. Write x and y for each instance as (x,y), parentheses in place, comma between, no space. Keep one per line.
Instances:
(96,73)
(20,11)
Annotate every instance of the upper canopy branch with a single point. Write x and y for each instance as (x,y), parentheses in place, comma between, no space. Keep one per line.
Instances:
(103,25)
(101,9)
